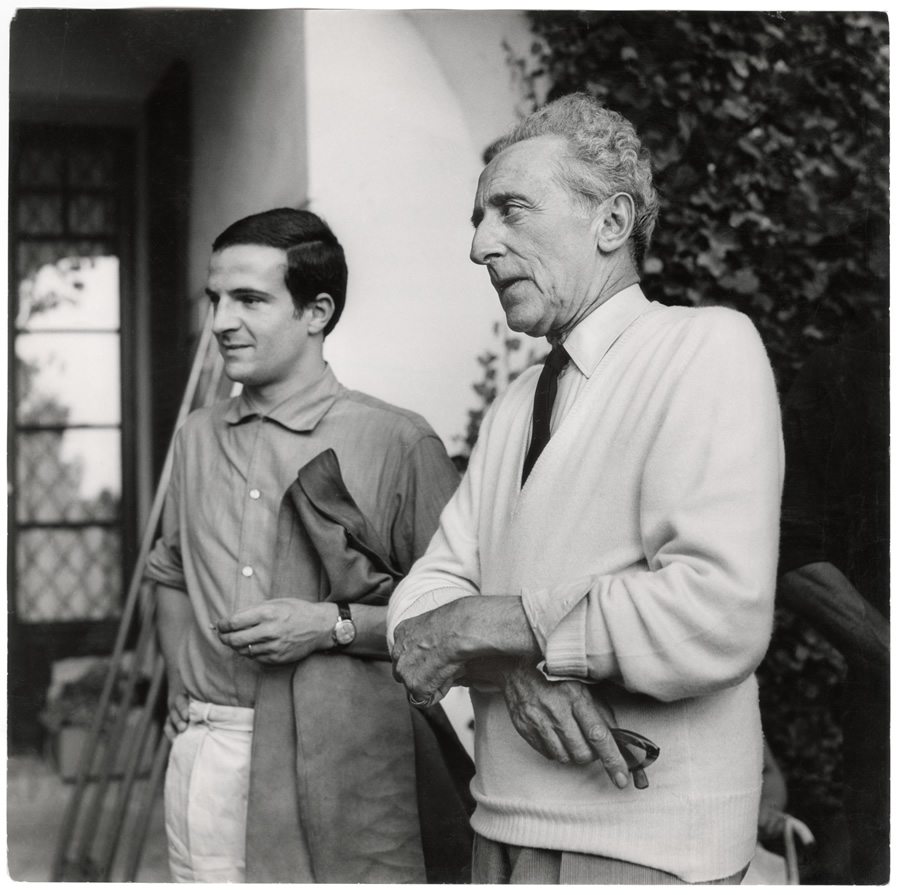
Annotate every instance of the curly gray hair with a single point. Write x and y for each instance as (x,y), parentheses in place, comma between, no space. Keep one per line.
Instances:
(606,158)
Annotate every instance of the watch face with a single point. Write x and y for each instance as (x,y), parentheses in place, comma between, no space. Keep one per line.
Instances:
(344,632)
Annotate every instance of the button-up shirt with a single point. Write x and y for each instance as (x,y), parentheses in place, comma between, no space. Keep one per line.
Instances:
(589,342)
(231,468)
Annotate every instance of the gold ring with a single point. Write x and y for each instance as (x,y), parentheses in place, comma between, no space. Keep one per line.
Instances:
(418,703)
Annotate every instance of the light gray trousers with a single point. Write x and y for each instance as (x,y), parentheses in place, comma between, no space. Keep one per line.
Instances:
(494,862)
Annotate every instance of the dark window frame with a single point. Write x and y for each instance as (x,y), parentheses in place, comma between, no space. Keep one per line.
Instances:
(95,634)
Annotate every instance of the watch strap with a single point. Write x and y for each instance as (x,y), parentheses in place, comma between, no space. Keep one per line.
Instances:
(344,632)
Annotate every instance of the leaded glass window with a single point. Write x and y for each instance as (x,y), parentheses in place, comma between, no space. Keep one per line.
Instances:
(66,443)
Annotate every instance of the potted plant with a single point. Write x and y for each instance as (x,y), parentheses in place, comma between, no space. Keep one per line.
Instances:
(69,713)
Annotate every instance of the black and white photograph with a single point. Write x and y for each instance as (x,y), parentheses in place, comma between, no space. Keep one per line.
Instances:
(448,446)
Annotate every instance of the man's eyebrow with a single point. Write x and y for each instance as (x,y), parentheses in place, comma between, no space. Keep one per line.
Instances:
(496,200)
(248,290)
(238,292)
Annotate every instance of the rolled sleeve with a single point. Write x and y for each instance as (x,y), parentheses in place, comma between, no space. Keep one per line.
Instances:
(164,566)
(558,618)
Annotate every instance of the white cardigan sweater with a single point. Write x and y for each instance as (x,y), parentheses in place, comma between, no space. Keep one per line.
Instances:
(644,548)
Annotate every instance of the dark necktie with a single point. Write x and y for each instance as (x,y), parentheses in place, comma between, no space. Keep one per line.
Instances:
(544,396)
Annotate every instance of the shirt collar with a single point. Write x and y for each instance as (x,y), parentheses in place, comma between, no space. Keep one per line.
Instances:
(594,336)
(300,412)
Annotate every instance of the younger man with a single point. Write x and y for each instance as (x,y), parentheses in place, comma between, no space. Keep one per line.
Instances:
(230,617)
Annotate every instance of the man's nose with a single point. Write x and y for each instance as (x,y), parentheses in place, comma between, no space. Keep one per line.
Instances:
(224,318)
(485,244)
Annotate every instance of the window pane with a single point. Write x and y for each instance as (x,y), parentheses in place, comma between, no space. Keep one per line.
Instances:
(92,165)
(90,214)
(66,499)
(68,378)
(34,254)
(68,292)
(70,476)
(68,575)
(40,165)
(40,214)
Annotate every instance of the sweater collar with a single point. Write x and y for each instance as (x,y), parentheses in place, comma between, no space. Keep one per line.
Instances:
(300,412)
(594,336)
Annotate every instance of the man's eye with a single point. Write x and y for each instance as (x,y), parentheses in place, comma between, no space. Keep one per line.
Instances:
(508,210)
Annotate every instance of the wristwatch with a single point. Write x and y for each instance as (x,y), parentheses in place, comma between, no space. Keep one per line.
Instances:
(344,632)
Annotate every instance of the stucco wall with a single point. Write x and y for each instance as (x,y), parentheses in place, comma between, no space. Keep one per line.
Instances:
(401,107)
(249,134)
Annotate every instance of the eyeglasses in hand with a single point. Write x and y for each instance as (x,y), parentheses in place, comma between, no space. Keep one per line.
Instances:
(638,752)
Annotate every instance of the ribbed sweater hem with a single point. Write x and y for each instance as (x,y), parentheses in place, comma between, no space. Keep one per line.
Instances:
(709,840)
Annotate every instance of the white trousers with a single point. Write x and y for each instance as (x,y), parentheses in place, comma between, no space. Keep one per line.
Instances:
(207,782)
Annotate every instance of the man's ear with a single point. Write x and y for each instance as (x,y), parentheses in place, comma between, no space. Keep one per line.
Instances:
(320,310)
(614,222)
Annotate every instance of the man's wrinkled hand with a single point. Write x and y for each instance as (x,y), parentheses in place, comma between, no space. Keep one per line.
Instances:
(177,718)
(566,721)
(423,656)
(279,631)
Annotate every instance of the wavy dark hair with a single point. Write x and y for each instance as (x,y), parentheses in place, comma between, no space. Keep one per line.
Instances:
(315,259)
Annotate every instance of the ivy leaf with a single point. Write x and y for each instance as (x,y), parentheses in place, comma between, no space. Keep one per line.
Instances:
(744,281)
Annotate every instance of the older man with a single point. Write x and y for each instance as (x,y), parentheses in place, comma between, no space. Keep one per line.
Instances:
(295,757)
(609,559)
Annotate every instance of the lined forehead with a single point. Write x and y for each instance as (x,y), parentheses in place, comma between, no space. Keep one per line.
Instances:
(516,167)
(520,170)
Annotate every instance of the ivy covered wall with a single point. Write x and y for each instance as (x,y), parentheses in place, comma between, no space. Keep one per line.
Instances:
(770,141)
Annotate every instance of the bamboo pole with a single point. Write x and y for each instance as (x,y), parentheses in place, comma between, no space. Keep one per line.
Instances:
(135,847)
(141,731)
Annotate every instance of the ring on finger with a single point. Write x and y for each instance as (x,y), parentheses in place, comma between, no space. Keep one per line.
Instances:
(249,649)
(418,703)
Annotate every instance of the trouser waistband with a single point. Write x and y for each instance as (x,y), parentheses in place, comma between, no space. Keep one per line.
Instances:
(233,717)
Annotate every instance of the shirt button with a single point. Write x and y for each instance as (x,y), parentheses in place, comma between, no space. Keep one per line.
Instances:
(254,494)
(247,571)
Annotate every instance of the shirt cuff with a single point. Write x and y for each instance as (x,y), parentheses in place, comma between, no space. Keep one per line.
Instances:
(166,578)
(542,668)
(162,568)
(565,653)
(558,619)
